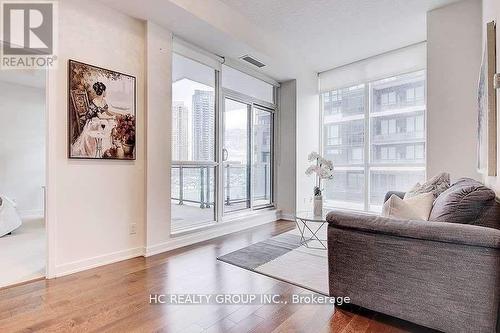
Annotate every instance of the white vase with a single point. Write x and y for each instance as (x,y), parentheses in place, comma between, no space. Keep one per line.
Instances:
(318,205)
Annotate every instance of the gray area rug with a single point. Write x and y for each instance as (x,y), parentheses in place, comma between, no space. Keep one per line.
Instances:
(258,254)
(283,258)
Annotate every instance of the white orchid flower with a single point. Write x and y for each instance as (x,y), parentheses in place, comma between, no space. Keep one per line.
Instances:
(313,156)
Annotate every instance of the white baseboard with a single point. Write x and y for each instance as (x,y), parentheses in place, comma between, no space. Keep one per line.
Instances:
(287,217)
(110,258)
(216,231)
(30,213)
(222,229)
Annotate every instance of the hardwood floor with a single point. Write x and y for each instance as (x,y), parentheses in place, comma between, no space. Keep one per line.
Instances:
(115,298)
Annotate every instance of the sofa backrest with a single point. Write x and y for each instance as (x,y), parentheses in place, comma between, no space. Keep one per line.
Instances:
(469,202)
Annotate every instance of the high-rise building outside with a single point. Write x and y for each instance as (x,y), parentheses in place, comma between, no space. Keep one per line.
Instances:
(203,124)
(394,158)
(180,143)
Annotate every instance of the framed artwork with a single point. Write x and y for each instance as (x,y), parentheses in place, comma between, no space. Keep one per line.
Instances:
(101,113)
(487,107)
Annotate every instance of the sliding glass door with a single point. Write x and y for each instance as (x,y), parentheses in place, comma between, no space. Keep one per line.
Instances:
(247,155)
(262,156)
(236,155)
(222,143)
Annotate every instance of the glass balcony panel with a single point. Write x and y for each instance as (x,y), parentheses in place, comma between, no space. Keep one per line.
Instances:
(236,191)
(193,193)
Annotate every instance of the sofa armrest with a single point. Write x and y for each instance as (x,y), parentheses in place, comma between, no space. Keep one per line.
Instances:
(397,193)
(416,270)
(426,230)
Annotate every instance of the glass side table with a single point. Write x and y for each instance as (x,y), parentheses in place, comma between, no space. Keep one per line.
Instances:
(309,225)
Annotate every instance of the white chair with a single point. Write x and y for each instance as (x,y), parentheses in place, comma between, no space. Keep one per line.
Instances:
(9,218)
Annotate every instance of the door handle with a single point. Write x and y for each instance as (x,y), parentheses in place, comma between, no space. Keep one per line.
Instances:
(225,155)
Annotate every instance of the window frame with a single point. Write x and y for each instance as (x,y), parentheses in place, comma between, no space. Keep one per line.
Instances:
(200,163)
(368,164)
(220,95)
(253,103)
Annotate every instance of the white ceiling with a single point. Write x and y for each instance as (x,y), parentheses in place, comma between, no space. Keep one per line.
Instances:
(330,33)
(291,37)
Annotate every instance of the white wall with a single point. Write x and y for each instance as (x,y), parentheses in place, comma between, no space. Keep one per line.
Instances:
(93,202)
(286,149)
(491,11)
(22,146)
(308,135)
(159,154)
(453,63)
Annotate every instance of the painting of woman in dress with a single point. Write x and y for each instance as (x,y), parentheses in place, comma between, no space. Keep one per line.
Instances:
(101,113)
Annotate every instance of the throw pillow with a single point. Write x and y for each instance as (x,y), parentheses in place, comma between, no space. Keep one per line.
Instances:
(436,185)
(464,202)
(415,208)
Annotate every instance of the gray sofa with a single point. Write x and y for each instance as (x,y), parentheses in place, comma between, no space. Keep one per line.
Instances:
(443,273)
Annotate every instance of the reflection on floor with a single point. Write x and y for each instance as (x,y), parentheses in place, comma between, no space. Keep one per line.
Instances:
(190,215)
(22,254)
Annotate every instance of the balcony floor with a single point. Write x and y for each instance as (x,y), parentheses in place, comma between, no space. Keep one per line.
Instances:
(190,215)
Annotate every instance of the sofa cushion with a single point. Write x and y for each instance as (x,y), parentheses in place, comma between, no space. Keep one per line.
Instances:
(437,185)
(466,202)
(414,208)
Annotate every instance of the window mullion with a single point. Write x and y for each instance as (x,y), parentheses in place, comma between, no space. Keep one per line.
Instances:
(219,202)
(251,143)
(367,146)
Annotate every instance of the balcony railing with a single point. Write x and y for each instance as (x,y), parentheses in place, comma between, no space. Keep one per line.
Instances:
(195,183)
(236,180)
